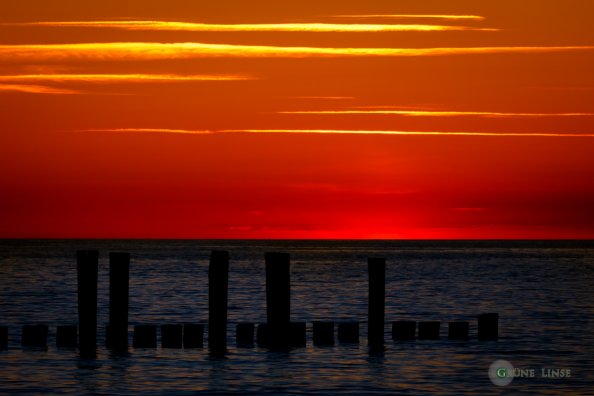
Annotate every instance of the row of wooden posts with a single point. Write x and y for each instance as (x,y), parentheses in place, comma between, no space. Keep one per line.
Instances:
(277,332)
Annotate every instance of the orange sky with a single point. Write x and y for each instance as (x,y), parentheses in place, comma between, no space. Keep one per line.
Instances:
(297,119)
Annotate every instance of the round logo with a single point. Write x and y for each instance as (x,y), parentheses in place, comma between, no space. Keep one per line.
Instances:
(501,372)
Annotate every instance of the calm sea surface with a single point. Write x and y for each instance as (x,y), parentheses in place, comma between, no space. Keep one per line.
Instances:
(542,290)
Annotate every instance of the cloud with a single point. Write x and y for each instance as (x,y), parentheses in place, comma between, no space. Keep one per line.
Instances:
(119,78)
(425,113)
(188,50)
(335,131)
(413,16)
(32,83)
(255,27)
(37,89)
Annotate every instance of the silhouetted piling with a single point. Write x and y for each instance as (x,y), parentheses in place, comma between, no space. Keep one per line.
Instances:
(488,327)
(3,337)
(377,290)
(458,331)
(66,336)
(348,332)
(218,277)
(119,275)
(323,333)
(244,334)
(263,334)
(193,335)
(297,334)
(87,264)
(145,336)
(171,336)
(278,297)
(404,330)
(34,336)
(429,330)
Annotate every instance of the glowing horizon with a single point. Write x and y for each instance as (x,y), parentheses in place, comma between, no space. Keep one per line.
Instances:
(330,119)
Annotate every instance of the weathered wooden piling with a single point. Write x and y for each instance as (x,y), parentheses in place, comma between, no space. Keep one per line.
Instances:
(218,277)
(87,262)
(323,333)
(34,336)
(263,334)
(119,275)
(171,335)
(376,303)
(348,332)
(429,330)
(145,336)
(278,297)
(193,335)
(66,336)
(297,334)
(244,334)
(3,337)
(488,327)
(404,330)
(458,331)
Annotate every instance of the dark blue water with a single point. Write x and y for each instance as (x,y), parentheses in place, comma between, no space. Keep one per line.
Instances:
(543,292)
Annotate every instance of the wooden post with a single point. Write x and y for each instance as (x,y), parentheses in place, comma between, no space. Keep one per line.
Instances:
(263,334)
(404,330)
(193,335)
(87,262)
(458,331)
(429,330)
(171,335)
(376,307)
(278,297)
(348,332)
(66,336)
(244,335)
(145,336)
(119,275)
(218,278)
(488,327)
(34,336)
(3,337)
(323,333)
(297,334)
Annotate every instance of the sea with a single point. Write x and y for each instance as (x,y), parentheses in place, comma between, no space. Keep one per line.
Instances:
(543,292)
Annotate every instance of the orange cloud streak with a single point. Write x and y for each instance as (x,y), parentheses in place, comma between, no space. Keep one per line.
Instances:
(255,27)
(118,78)
(414,16)
(422,113)
(38,89)
(336,131)
(149,51)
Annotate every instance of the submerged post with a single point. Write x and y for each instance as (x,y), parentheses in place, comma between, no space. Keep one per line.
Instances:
(3,337)
(376,307)
(488,327)
(218,276)
(119,275)
(278,297)
(87,262)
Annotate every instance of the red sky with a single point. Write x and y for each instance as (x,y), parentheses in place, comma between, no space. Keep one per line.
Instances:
(297,119)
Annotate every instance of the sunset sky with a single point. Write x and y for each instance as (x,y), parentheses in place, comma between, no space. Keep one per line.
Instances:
(414,119)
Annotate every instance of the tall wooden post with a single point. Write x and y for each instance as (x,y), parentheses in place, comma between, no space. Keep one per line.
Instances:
(119,276)
(218,277)
(376,307)
(87,262)
(278,297)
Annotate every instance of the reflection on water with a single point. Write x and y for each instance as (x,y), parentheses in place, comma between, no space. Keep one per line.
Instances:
(542,291)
